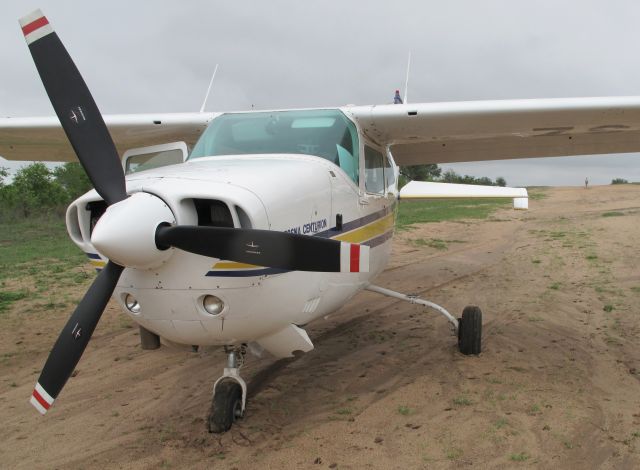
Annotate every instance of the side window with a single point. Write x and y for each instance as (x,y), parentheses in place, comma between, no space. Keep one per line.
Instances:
(373,171)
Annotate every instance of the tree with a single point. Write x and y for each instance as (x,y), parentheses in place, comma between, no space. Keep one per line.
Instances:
(73,179)
(484,181)
(34,190)
(4,190)
(430,172)
(619,181)
(4,172)
(450,176)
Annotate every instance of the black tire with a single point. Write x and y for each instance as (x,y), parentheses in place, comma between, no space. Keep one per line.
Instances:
(470,331)
(226,406)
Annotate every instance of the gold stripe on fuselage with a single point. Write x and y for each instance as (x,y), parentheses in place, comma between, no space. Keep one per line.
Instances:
(370,231)
(234,265)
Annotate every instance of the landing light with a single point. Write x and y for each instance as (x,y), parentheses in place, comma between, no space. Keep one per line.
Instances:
(132,304)
(212,304)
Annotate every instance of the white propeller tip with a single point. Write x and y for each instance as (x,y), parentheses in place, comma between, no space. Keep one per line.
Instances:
(40,399)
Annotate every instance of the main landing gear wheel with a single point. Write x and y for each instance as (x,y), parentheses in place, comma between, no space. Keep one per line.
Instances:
(226,406)
(470,331)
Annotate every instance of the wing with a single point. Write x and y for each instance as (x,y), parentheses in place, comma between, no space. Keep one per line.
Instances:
(496,130)
(42,139)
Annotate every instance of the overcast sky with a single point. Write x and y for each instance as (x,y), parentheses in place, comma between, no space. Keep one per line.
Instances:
(142,56)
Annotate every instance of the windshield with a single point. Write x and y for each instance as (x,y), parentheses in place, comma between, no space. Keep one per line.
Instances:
(323,133)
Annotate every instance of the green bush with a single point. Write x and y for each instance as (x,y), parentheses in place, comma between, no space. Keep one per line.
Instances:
(619,181)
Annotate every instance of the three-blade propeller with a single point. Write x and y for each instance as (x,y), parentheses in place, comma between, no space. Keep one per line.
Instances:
(90,138)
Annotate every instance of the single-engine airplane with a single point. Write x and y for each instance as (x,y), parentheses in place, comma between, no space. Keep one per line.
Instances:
(273,219)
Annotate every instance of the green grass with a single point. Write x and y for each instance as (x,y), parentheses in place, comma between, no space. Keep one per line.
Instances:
(438,210)
(436,243)
(534,410)
(8,297)
(453,453)
(537,192)
(404,410)
(521,457)
(501,423)
(462,401)
(37,246)
(612,214)
(608,308)
(557,234)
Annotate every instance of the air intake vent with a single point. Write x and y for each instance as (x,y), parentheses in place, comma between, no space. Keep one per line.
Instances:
(213,213)
(97,208)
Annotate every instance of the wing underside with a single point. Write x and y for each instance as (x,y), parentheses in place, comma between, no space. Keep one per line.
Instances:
(507,129)
(42,138)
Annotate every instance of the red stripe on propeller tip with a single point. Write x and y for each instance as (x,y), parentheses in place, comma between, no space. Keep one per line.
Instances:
(37,24)
(41,400)
(355,258)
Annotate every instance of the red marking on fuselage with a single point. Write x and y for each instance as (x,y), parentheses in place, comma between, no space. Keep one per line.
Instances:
(37,24)
(355,258)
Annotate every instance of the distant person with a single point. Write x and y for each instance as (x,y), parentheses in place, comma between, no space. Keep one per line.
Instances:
(586,183)
(397,99)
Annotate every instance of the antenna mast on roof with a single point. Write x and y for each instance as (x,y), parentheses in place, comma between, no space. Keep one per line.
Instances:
(204,103)
(406,82)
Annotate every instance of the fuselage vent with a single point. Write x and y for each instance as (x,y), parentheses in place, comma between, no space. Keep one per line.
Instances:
(212,213)
(97,209)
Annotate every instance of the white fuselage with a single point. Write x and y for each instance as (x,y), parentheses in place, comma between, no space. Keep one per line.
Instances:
(283,192)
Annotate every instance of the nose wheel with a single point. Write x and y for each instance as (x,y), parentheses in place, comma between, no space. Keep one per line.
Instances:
(229,393)
(226,406)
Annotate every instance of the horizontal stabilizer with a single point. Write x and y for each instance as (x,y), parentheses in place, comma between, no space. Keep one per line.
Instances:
(429,190)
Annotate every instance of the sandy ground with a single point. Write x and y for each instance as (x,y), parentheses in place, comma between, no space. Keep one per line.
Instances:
(556,386)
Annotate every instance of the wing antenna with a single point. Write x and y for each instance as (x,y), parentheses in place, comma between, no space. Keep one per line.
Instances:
(406,82)
(204,103)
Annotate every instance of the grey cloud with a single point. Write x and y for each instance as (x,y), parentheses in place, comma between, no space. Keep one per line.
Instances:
(158,56)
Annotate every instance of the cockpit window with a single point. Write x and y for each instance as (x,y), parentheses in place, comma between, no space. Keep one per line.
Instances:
(323,133)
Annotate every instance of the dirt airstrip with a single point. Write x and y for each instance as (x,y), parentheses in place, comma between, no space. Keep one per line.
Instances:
(556,386)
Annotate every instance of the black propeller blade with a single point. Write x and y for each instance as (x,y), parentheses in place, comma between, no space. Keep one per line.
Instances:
(88,134)
(266,248)
(75,107)
(74,338)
